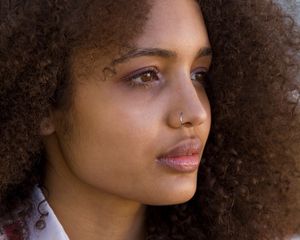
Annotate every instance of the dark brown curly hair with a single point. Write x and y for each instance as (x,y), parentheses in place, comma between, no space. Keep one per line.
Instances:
(249,163)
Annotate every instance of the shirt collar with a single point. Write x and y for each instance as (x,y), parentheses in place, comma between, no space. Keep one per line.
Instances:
(53,228)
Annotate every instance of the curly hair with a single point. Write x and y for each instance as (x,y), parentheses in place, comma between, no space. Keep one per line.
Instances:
(250,158)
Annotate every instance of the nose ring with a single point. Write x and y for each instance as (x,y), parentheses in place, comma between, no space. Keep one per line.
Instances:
(181,118)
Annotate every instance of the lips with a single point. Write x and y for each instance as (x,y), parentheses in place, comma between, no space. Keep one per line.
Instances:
(184,157)
(187,147)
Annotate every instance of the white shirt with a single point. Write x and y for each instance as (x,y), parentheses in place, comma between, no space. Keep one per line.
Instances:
(53,230)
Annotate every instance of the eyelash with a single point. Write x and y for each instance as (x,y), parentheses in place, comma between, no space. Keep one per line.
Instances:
(142,72)
(155,72)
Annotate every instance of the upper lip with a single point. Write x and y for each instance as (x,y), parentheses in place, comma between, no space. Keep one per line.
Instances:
(185,147)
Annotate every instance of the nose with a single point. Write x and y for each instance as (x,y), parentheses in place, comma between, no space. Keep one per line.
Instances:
(190,107)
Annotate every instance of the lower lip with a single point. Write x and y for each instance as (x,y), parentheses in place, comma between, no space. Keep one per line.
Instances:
(181,163)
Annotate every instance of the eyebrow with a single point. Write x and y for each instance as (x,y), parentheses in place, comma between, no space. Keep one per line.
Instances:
(159,52)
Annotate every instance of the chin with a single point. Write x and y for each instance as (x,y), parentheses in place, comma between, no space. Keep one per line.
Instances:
(181,198)
(174,196)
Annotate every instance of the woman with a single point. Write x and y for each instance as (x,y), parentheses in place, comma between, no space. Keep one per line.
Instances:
(106,107)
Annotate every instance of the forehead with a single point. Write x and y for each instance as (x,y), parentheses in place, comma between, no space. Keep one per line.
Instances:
(174,23)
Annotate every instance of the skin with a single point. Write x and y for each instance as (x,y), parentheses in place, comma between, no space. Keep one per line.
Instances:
(102,172)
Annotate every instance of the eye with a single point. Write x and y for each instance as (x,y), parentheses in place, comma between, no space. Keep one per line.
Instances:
(146,77)
(200,75)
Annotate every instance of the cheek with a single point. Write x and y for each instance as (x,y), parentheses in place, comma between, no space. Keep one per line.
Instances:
(111,147)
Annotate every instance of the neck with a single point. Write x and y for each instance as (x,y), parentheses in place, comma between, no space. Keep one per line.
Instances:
(89,213)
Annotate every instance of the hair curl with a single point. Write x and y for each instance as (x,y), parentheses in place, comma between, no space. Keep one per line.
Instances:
(250,158)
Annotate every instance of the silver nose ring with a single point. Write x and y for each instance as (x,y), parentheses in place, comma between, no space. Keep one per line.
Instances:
(181,118)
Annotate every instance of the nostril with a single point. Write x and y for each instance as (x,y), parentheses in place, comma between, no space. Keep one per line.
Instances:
(188,124)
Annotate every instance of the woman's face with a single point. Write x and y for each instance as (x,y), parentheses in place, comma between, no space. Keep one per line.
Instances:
(120,126)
